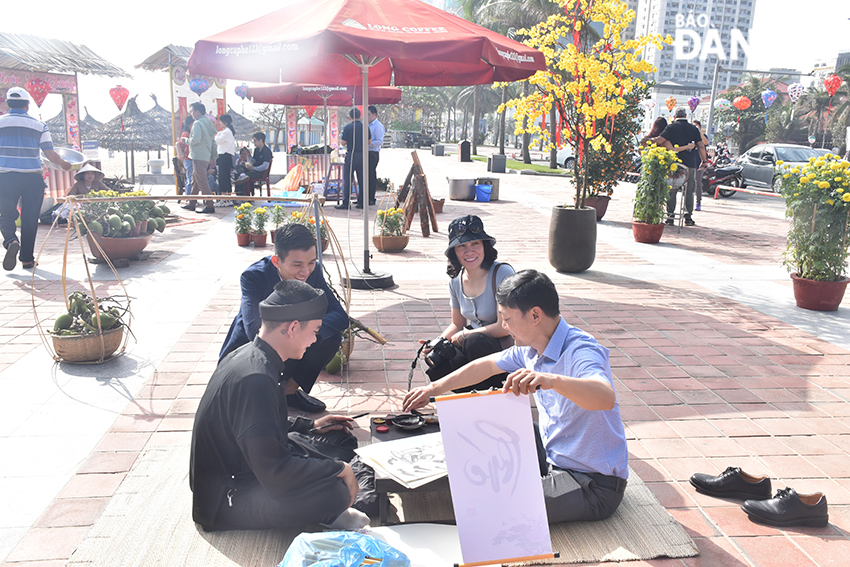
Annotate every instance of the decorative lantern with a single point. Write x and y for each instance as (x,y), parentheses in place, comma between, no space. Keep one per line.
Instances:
(310,110)
(241,91)
(671,103)
(119,96)
(795,91)
(38,90)
(767,97)
(693,103)
(199,85)
(741,103)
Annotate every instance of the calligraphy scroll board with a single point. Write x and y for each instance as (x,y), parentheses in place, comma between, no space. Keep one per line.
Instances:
(495,481)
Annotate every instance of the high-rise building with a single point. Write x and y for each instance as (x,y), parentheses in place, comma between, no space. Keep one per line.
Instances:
(707,29)
(629,33)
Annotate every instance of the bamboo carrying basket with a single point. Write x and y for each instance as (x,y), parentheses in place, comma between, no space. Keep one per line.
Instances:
(88,348)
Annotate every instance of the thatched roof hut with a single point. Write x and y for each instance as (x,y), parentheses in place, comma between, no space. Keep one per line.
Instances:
(173,54)
(133,129)
(31,53)
(244,128)
(56,125)
(89,126)
(162,117)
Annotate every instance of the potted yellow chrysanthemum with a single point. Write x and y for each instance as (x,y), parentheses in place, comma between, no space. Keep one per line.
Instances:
(653,189)
(817,199)
(391,235)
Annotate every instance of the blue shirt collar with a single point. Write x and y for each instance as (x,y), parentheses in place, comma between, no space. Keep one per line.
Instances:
(17,111)
(553,348)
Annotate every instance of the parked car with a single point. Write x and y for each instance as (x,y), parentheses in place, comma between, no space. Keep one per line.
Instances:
(759,163)
(824,151)
(566,157)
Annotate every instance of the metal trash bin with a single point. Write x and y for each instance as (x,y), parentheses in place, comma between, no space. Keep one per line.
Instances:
(497,163)
(461,189)
(438,150)
(493,182)
(464,151)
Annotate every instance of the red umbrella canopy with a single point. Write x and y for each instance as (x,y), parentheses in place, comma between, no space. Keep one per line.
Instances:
(313,41)
(306,95)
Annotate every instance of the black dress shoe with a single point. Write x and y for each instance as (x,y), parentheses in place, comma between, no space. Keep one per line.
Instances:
(733,483)
(788,508)
(372,202)
(358,206)
(300,400)
(341,206)
(188,206)
(206,210)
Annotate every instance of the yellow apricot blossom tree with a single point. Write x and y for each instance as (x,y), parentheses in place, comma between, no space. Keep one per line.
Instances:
(591,71)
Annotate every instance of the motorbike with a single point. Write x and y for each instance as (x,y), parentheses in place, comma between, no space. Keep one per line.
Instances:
(722,155)
(718,174)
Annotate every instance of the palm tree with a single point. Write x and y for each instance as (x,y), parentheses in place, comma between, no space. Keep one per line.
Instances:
(814,104)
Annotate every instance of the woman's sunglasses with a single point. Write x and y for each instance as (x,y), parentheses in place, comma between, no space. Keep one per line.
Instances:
(457,228)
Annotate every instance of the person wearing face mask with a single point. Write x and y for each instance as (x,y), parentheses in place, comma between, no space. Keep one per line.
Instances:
(475,330)
(294,259)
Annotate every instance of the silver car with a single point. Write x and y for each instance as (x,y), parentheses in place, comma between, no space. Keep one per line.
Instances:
(759,163)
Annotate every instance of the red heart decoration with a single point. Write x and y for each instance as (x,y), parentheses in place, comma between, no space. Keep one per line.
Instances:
(310,110)
(38,90)
(119,95)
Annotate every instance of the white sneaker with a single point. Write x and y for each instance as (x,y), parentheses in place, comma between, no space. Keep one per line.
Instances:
(242,177)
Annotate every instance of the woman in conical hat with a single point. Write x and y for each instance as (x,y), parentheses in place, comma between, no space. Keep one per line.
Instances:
(89,178)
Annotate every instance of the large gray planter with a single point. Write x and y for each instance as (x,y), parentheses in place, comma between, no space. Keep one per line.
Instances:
(572,239)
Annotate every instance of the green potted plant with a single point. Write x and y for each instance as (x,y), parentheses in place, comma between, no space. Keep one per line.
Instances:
(244,220)
(310,222)
(652,192)
(817,200)
(259,234)
(390,235)
(277,216)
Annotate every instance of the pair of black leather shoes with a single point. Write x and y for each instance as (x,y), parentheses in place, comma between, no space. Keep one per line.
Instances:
(304,402)
(786,508)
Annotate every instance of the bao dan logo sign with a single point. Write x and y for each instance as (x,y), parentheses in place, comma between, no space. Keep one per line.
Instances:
(690,44)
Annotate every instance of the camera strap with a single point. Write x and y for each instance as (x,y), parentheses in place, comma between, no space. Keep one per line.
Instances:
(413,365)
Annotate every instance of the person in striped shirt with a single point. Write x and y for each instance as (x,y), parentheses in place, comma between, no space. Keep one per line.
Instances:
(21,138)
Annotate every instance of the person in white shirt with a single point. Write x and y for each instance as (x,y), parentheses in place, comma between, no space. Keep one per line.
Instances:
(225,141)
(377,130)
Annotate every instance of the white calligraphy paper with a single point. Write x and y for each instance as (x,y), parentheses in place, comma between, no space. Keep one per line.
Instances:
(494,477)
(412,461)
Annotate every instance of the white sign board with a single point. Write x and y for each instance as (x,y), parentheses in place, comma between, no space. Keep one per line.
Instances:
(495,481)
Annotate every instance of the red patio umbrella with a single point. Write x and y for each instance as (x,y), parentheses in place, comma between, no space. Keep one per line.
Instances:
(327,41)
(331,42)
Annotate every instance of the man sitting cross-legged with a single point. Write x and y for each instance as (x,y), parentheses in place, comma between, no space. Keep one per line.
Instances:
(581,442)
(294,259)
(253,467)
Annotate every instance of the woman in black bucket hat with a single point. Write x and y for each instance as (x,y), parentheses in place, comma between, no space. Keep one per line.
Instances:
(476,329)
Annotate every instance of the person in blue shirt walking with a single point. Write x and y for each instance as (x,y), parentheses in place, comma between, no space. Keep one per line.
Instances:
(376,140)
(581,441)
(21,138)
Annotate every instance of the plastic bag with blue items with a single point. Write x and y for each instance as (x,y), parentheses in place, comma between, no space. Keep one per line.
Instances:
(341,549)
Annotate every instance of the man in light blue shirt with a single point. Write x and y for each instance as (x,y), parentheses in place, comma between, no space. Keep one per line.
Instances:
(581,441)
(376,131)
(22,138)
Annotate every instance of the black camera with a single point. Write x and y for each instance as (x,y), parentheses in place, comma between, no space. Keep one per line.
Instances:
(442,350)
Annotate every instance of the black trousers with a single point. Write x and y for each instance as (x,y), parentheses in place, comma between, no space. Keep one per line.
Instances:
(317,502)
(475,346)
(225,165)
(374,157)
(29,189)
(353,164)
(573,496)
(306,370)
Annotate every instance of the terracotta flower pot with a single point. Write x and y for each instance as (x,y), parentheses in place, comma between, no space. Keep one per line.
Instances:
(599,203)
(438,205)
(243,239)
(117,248)
(259,239)
(390,243)
(818,295)
(325,243)
(647,233)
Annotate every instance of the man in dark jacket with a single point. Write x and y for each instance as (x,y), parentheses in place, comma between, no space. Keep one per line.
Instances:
(680,133)
(251,466)
(294,259)
(352,139)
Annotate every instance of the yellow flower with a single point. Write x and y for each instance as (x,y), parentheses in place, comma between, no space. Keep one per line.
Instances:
(830,202)
(674,167)
(795,170)
(838,179)
(786,176)
(846,197)
(780,162)
(823,184)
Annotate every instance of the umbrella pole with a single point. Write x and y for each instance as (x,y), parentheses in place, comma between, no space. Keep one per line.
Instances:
(367,279)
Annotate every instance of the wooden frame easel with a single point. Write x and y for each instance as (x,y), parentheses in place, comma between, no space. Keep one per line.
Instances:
(414,194)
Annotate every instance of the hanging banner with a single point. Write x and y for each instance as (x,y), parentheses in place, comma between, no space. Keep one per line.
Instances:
(333,128)
(494,477)
(72,122)
(291,128)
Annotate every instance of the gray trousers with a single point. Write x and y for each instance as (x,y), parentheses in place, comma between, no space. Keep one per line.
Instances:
(573,496)
(689,195)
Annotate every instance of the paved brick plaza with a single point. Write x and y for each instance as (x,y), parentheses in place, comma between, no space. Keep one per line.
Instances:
(714,365)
